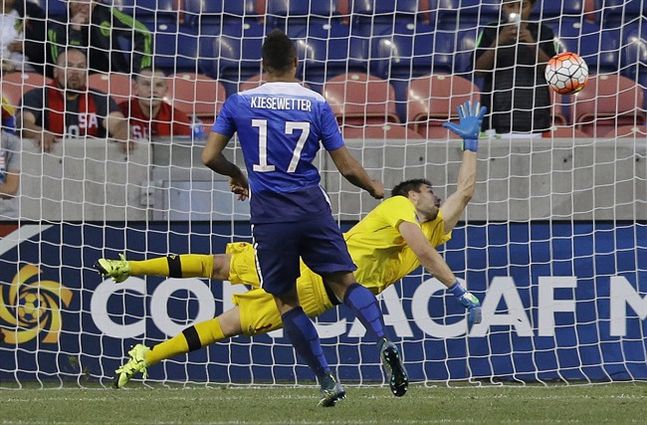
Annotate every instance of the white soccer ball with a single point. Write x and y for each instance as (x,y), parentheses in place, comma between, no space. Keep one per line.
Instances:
(567,73)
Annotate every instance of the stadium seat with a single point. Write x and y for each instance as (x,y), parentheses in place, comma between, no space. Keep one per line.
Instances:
(15,84)
(118,86)
(545,9)
(56,9)
(618,13)
(324,58)
(196,94)
(384,12)
(325,51)
(385,9)
(150,12)
(208,58)
(607,101)
(386,131)
(251,83)
(358,99)
(454,14)
(633,57)
(236,54)
(300,15)
(216,12)
(315,41)
(434,99)
(598,47)
(401,57)
(372,18)
(175,51)
(201,12)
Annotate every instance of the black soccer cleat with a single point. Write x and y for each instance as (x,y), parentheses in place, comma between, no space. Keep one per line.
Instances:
(331,391)
(397,374)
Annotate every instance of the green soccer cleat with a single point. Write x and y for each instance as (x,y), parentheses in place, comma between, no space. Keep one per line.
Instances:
(398,380)
(118,270)
(331,391)
(136,364)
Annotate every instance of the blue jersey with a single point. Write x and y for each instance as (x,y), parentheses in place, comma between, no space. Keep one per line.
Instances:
(280,127)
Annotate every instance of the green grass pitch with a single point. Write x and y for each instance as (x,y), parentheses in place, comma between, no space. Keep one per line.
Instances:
(595,404)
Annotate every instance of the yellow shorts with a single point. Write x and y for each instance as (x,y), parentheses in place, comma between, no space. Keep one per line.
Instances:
(258,311)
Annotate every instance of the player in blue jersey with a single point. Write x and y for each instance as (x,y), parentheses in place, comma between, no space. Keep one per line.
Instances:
(280,127)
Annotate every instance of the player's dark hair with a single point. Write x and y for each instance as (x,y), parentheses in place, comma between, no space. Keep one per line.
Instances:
(278,52)
(403,189)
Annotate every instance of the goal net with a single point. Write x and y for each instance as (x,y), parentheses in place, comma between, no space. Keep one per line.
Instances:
(553,242)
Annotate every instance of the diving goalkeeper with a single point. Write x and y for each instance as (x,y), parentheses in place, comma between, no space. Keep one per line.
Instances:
(394,239)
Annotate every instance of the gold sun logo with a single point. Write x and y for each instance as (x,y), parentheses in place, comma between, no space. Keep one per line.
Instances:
(32,307)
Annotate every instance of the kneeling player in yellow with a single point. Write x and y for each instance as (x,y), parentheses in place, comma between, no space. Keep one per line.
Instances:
(394,239)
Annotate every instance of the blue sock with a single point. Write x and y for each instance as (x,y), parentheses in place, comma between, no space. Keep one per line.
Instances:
(456,289)
(303,336)
(364,304)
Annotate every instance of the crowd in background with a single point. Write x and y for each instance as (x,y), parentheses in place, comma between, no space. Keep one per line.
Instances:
(508,60)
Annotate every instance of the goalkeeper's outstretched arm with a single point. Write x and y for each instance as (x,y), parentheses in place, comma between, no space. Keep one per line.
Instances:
(469,127)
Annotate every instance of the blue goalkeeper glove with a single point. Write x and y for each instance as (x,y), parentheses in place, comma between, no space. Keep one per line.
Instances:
(469,126)
(469,301)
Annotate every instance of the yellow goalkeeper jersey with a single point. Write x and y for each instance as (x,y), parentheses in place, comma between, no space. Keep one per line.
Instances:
(379,251)
(376,246)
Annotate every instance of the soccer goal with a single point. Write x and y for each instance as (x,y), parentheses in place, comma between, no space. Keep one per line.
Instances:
(553,243)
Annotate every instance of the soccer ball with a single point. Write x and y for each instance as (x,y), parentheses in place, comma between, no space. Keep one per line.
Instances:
(567,73)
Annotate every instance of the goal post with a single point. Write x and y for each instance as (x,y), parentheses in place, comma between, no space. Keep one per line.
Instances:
(553,242)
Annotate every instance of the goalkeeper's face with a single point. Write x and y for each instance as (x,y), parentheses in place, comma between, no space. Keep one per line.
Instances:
(426,202)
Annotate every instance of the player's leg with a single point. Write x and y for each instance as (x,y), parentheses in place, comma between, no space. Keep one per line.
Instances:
(194,337)
(328,255)
(277,257)
(304,338)
(301,332)
(366,308)
(255,313)
(182,266)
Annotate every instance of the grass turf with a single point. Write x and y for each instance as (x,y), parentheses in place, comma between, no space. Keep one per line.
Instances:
(613,404)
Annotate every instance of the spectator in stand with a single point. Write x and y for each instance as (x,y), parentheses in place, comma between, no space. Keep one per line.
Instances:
(22,36)
(67,108)
(149,114)
(511,55)
(98,27)
(7,115)
(9,174)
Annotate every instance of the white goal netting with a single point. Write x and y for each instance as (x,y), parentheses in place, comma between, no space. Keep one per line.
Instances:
(553,242)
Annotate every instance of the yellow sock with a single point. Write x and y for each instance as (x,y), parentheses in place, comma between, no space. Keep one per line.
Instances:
(186,265)
(192,338)
(167,349)
(196,265)
(154,267)
(209,332)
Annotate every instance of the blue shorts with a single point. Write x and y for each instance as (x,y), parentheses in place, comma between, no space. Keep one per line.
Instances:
(318,241)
